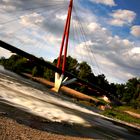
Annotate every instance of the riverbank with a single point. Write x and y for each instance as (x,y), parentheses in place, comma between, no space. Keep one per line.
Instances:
(58,114)
(68,91)
(81,96)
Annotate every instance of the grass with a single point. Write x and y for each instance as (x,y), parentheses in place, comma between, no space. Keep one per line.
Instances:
(128,108)
(113,113)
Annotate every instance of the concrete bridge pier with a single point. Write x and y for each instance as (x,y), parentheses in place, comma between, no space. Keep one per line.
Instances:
(60,80)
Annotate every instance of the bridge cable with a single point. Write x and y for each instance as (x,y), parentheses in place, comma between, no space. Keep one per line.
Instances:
(83,33)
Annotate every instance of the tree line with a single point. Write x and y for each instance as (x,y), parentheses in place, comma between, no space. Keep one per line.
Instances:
(128,93)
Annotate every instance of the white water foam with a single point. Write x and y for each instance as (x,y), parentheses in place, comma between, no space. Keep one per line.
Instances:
(40,103)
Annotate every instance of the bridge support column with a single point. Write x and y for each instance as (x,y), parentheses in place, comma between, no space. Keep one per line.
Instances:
(59,79)
(58,82)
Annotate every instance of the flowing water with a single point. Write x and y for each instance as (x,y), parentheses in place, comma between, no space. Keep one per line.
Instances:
(36,99)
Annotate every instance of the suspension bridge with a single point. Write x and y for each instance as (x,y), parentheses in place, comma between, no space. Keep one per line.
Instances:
(52,108)
(60,73)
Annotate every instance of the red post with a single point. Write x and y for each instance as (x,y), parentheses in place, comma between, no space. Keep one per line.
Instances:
(65,38)
(62,44)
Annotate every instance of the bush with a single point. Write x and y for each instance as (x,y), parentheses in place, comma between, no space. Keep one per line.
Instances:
(34,71)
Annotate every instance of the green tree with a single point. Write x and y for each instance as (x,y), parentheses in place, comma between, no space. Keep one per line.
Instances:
(2,60)
(84,71)
(131,87)
(120,90)
(34,71)
(71,64)
(131,93)
(49,74)
(102,82)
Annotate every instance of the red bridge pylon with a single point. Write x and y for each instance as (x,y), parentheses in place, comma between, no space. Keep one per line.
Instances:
(59,79)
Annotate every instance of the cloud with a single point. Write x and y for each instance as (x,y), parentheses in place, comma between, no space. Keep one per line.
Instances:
(31,19)
(5,53)
(135,30)
(93,26)
(111,52)
(135,50)
(84,51)
(105,2)
(61,16)
(6,1)
(122,17)
(8,7)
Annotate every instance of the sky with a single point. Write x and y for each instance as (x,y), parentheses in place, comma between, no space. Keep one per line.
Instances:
(104,33)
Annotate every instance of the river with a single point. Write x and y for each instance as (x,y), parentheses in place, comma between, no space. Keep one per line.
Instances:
(36,99)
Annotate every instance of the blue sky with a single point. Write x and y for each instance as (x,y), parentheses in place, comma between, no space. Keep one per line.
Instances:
(110,41)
